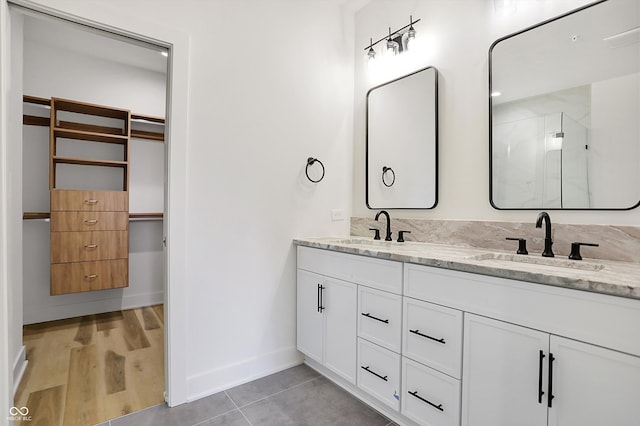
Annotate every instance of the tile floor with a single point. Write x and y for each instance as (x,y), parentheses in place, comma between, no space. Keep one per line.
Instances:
(297,396)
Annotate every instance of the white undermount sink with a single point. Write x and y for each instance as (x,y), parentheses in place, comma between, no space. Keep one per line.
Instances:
(539,260)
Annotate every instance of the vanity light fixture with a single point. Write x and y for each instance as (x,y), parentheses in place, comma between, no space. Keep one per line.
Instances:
(397,41)
(393,46)
(371,53)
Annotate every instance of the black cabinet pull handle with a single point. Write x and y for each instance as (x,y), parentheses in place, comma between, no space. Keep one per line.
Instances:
(550,390)
(540,391)
(318,299)
(437,407)
(386,321)
(416,331)
(321,308)
(374,373)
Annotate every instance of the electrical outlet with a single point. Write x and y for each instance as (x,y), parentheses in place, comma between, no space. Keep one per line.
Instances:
(337,214)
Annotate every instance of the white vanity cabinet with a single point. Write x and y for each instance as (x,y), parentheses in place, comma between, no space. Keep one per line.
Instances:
(438,347)
(327,322)
(511,372)
(379,342)
(505,368)
(431,363)
(327,304)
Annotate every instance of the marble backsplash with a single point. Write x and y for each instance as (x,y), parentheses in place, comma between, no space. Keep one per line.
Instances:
(621,243)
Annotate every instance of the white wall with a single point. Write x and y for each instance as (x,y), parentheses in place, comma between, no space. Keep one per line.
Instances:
(7,325)
(615,131)
(14,186)
(456,36)
(51,71)
(256,111)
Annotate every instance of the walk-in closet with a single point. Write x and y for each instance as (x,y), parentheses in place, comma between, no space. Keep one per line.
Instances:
(93,179)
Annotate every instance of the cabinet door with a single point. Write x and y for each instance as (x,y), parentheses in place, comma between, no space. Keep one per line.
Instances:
(501,374)
(593,386)
(310,319)
(339,300)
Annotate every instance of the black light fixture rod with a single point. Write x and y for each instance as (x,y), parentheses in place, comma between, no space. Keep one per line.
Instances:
(391,34)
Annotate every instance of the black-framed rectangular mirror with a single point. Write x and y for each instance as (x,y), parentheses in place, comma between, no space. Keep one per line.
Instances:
(402,142)
(565,111)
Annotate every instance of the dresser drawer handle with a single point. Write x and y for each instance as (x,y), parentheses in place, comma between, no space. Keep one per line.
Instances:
(90,246)
(91,201)
(374,373)
(386,321)
(437,407)
(416,331)
(91,277)
(90,221)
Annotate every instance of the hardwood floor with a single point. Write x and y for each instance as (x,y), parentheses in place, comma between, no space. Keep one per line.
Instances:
(87,370)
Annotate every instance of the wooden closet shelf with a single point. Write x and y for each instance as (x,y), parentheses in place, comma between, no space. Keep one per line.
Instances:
(90,136)
(90,109)
(154,136)
(90,128)
(34,120)
(89,162)
(150,118)
(47,215)
(36,100)
(146,215)
(36,215)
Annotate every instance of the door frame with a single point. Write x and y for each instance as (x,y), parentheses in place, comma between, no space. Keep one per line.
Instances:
(176,137)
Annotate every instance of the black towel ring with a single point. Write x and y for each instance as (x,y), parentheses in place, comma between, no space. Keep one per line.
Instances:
(386,169)
(310,162)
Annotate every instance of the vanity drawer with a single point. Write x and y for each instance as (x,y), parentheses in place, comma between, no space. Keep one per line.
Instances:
(379,373)
(77,200)
(87,246)
(377,273)
(88,276)
(428,396)
(89,221)
(432,335)
(380,317)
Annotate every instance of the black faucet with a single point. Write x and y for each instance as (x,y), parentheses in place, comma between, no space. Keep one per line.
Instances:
(544,216)
(388,237)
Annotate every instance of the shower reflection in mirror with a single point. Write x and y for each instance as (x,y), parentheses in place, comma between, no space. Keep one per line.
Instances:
(541,159)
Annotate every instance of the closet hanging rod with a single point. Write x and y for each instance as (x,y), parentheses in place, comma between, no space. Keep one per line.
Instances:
(47,215)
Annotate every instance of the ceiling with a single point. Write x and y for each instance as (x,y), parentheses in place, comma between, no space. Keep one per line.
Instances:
(89,41)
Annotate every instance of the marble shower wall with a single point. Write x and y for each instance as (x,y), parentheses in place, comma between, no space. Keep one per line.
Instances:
(621,243)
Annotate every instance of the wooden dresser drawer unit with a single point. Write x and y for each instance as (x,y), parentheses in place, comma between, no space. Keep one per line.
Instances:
(89,240)
(85,246)
(89,276)
(64,221)
(78,200)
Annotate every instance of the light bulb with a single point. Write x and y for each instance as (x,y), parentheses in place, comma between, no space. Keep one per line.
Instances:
(392,47)
(371,54)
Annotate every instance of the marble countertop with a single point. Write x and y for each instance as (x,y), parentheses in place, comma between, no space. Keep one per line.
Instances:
(595,275)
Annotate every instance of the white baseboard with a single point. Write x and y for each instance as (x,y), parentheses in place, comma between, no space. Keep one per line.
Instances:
(253,368)
(70,310)
(19,367)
